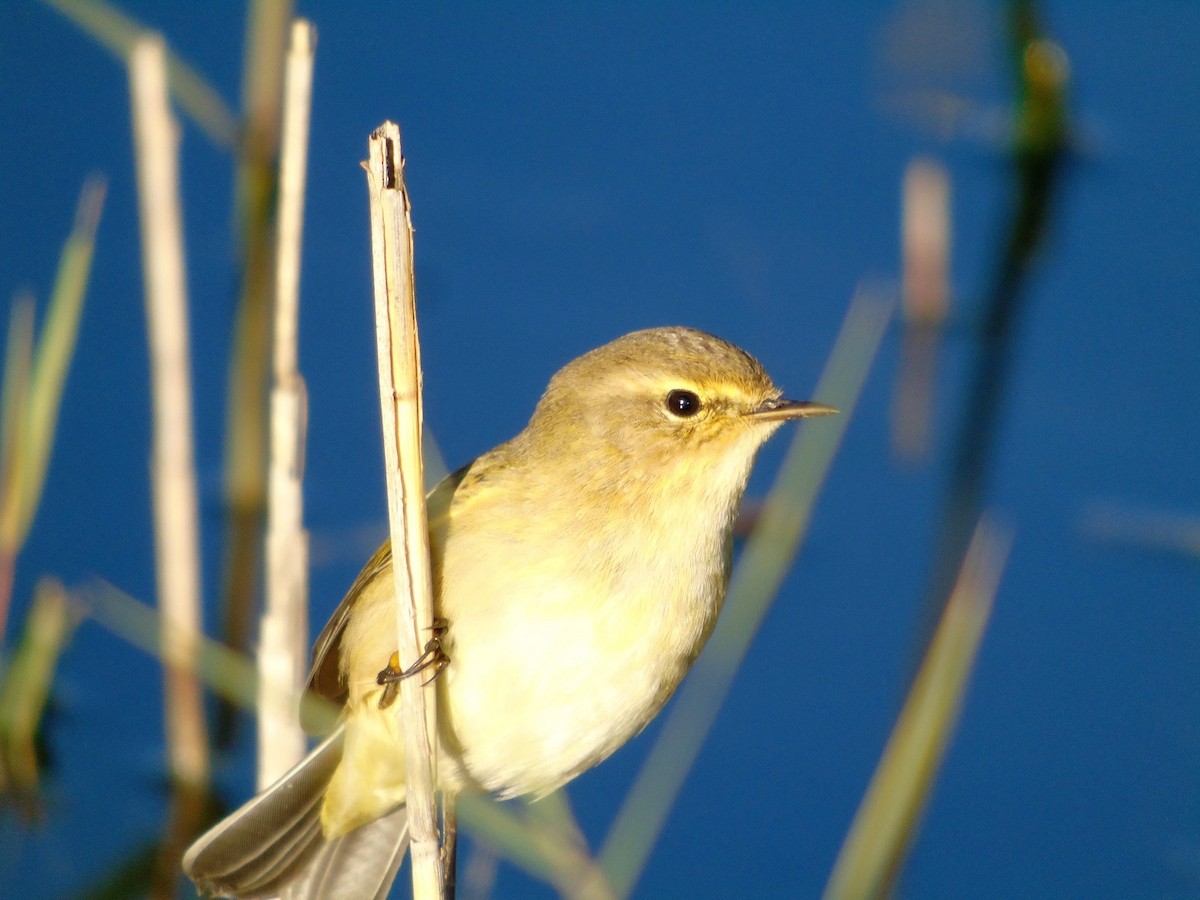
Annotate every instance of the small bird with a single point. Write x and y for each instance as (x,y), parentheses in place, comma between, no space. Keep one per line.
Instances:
(578,570)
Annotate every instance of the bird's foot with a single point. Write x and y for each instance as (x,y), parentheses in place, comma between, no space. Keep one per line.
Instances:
(433,658)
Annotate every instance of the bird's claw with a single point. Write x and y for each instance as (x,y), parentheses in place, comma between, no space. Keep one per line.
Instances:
(434,657)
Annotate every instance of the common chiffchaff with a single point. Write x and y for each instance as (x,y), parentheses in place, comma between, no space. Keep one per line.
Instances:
(579,569)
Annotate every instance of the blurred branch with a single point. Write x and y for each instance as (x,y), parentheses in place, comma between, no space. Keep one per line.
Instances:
(885,825)
(283,636)
(1146,529)
(925,299)
(1038,155)
(118,32)
(764,561)
(399,358)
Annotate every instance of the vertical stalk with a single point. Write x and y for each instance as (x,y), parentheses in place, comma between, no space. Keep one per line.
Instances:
(172,470)
(400,406)
(246,420)
(283,638)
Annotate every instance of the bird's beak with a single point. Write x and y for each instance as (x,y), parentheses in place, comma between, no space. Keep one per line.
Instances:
(780,410)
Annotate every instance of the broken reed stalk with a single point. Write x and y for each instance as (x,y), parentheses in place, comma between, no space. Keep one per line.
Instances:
(176,530)
(400,405)
(283,636)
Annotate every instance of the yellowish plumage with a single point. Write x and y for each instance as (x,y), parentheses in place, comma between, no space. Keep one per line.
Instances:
(580,568)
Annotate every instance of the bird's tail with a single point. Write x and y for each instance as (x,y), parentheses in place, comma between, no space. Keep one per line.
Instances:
(273,846)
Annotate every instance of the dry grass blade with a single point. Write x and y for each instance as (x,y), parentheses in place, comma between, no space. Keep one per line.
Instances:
(56,347)
(230,674)
(400,407)
(283,636)
(555,833)
(761,570)
(26,684)
(118,32)
(537,842)
(33,385)
(883,828)
(18,361)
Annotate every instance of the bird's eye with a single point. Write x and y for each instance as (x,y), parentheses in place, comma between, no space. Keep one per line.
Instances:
(683,404)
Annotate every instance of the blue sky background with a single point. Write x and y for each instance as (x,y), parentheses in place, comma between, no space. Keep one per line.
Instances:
(581,171)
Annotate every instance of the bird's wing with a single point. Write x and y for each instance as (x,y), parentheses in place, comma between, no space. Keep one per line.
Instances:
(325,677)
(362,863)
(274,845)
(273,836)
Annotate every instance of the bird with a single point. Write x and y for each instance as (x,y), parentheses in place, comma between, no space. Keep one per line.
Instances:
(578,570)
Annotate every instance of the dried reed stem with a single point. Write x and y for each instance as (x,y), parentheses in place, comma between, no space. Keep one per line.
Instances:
(283,638)
(172,470)
(400,403)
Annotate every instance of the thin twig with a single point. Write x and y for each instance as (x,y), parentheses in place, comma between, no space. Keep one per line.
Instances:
(283,639)
(400,405)
(173,472)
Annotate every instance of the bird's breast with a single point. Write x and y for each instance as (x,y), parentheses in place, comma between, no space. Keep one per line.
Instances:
(559,656)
